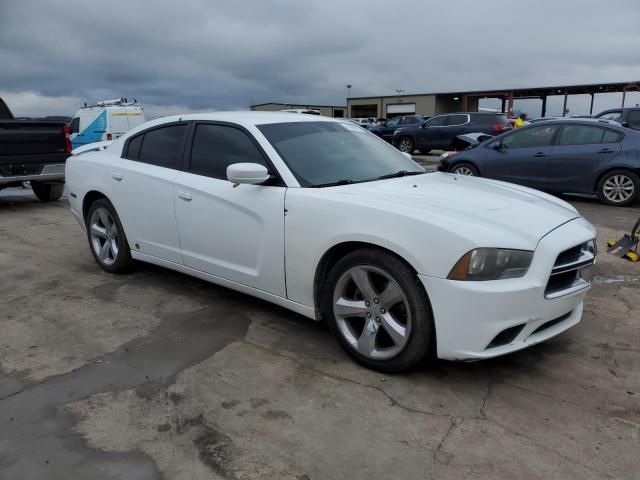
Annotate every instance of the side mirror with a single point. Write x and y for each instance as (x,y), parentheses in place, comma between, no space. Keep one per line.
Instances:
(250,173)
(498,146)
(626,124)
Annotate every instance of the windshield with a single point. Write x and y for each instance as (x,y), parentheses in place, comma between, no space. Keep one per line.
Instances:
(326,153)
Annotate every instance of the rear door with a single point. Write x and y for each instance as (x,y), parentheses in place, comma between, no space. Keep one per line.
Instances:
(577,156)
(143,190)
(522,157)
(232,233)
(457,124)
(118,123)
(429,134)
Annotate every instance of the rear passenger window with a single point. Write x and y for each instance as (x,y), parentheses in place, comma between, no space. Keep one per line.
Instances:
(215,147)
(457,120)
(163,146)
(133,151)
(633,118)
(611,136)
(580,135)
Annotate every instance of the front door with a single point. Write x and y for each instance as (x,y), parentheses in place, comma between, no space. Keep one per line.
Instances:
(522,157)
(232,232)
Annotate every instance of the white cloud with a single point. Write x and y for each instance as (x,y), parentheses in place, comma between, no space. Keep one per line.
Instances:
(33,104)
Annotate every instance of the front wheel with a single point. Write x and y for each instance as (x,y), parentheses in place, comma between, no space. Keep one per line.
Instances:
(619,188)
(107,240)
(47,192)
(465,169)
(379,311)
(406,145)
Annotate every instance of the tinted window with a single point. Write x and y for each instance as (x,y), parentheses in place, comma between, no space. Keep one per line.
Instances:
(215,147)
(489,119)
(634,118)
(581,135)
(393,122)
(617,115)
(163,146)
(74,127)
(133,152)
(530,137)
(320,153)
(437,121)
(611,136)
(457,120)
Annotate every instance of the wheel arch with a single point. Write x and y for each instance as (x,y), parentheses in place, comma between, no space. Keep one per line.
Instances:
(90,197)
(611,168)
(333,255)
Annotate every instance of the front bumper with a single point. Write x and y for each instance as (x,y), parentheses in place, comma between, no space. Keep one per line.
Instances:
(468,316)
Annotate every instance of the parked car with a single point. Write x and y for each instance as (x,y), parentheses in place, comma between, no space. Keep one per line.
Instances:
(584,156)
(365,122)
(331,222)
(34,151)
(386,129)
(627,117)
(439,132)
(104,121)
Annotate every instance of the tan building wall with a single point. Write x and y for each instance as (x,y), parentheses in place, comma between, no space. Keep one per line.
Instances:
(326,110)
(428,105)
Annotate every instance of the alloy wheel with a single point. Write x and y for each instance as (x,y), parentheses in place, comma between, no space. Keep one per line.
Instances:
(104,236)
(463,171)
(406,145)
(372,312)
(618,188)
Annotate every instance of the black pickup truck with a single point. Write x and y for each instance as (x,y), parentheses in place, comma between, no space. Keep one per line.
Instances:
(35,151)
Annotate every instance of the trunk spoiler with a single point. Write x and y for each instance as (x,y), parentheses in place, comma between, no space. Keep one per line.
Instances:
(91,147)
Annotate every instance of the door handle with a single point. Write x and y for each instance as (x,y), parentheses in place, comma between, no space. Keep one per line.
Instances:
(605,150)
(185,196)
(117,177)
(540,154)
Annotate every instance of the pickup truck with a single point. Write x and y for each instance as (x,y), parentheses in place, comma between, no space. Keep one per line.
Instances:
(35,151)
(628,117)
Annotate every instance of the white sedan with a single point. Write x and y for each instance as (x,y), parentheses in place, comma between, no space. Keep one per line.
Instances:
(325,219)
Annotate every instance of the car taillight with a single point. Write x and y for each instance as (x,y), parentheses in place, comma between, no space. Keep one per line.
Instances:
(67,139)
(498,127)
(109,136)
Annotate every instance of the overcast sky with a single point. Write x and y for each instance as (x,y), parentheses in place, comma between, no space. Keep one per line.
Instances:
(178,56)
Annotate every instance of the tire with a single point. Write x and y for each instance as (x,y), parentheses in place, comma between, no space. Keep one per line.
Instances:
(619,188)
(47,192)
(406,145)
(361,322)
(465,168)
(104,227)
(425,152)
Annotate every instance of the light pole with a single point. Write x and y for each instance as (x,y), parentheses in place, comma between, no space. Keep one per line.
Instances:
(348,90)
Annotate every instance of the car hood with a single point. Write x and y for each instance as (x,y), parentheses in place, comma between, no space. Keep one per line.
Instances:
(478,208)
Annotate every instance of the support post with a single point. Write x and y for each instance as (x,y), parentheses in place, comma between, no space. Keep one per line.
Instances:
(544,105)
(564,105)
(591,106)
(624,94)
(510,104)
(504,104)
(465,101)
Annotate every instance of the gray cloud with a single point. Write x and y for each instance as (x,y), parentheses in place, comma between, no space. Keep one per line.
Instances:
(227,54)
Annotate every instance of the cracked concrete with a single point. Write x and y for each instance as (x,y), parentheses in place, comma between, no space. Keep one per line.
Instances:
(158,375)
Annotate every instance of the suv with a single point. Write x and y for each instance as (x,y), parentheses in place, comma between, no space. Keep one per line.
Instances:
(441,131)
(387,129)
(627,117)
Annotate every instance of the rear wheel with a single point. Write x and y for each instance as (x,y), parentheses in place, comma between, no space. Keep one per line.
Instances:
(406,145)
(47,192)
(465,169)
(619,188)
(106,237)
(379,311)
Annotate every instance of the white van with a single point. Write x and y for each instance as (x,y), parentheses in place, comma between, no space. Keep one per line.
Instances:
(106,120)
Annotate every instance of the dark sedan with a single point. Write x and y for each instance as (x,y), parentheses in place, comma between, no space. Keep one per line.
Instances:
(582,156)
(385,130)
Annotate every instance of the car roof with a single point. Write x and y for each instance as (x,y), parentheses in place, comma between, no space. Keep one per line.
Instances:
(584,121)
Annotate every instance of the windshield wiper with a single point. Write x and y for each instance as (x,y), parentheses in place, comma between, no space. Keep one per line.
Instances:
(401,173)
(344,181)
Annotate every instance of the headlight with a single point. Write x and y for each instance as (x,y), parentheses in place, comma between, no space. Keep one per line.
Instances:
(491,264)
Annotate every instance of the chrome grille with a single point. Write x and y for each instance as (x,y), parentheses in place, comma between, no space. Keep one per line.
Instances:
(572,270)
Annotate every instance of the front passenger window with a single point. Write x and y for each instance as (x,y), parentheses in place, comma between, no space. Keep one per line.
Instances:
(215,147)
(530,137)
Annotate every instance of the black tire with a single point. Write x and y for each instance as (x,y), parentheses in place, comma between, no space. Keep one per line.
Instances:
(465,167)
(123,261)
(406,145)
(609,197)
(47,192)
(420,343)
(425,152)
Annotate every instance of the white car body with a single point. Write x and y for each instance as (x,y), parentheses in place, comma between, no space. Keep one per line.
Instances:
(270,241)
